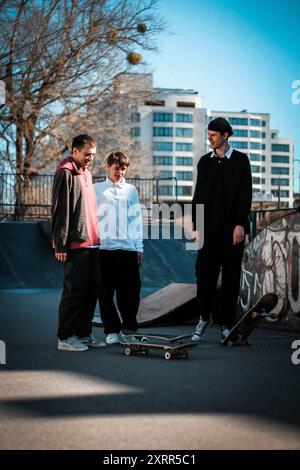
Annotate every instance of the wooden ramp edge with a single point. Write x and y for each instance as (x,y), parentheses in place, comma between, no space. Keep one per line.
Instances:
(174,300)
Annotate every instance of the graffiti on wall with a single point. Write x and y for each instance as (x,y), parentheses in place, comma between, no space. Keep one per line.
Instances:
(271,263)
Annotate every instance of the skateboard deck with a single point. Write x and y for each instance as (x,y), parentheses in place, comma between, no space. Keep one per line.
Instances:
(243,328)
(173,346)
(166,337)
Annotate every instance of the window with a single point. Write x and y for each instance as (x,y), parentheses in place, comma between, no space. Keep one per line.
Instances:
(280,159)
(184,132)
(256,134)
(280,148)
(255,169)
(274,135)
(256,180)
(255,157)
(185,104)
(162,131)
(180,117)
(282,193)
(184,175)
(184,161)
(165,190)
(162,117)
(238,121)
(263,181)
(135,117)
(255,145)
(279,182)
(263,123)
(184,190)
(165,174)
(163,146)
(240,133)
(158,160)
(280,170)
(239,145)
(263,134)
(184,147)
(155,103)
(255,123)
(135,131)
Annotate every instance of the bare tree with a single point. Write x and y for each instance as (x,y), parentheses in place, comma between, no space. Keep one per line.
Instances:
(57,59)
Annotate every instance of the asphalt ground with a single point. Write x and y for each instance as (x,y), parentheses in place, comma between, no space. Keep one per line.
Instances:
(218,398)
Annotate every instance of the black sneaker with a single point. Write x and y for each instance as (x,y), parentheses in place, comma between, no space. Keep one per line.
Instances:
(200,329)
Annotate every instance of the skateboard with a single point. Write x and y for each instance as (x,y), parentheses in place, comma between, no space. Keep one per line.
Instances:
(173,346)
(243,328)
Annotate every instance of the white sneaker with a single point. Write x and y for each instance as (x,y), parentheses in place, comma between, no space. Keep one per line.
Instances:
(91,342)
(112,338)
(71,344)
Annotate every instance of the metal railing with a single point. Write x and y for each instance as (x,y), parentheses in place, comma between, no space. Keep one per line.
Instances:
(24,197)
(259,219)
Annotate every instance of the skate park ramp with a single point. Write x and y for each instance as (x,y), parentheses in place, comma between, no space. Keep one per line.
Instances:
(175,303)
(27,262)
(271,263)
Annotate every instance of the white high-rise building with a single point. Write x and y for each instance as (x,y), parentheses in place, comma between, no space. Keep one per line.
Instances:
(169,126)
(271,157)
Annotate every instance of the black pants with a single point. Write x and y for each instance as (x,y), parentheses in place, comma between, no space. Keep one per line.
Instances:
(119,272)
(217,254)
(80,293)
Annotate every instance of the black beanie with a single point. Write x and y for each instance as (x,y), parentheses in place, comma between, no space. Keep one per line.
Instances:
(220,124)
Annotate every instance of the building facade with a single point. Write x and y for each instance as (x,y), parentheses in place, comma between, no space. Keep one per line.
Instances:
(169,127)
(271,156)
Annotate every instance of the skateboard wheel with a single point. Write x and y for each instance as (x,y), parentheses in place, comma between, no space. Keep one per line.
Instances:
(144,352)
(255,314)
(168,356)
(128,351)
(184,354)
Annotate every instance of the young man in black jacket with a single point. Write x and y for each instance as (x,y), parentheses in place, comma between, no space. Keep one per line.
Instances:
(224,187)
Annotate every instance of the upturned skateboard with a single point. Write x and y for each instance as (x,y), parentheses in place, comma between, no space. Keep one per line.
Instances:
(173,346)
(243,328)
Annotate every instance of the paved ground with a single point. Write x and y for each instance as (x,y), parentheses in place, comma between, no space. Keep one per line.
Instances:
(219,398)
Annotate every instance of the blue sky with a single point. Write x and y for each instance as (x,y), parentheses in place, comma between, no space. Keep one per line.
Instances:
(237,55)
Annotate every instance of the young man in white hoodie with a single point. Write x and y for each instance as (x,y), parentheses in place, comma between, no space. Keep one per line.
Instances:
(121,248)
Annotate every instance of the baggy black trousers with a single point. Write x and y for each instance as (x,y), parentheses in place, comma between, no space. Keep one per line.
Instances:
(214,255)
(120,275)
(80,293)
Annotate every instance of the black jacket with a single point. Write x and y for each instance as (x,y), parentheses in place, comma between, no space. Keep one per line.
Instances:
(226,196)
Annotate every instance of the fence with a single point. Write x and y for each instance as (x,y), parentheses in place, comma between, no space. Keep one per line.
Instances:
(24,197)
(29,196)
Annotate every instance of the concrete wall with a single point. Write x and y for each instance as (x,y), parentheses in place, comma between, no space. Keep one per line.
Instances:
(271,263)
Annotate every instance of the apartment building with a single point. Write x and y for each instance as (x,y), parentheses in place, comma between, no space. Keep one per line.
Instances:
(169,126)
(271,156)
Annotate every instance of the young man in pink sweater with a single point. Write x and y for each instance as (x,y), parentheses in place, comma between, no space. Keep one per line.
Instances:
(76,241)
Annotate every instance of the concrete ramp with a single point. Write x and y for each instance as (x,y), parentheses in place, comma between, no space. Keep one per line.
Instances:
(174,303)
(27,259)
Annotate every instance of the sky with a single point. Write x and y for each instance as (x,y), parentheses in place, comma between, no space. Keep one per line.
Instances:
(237,55)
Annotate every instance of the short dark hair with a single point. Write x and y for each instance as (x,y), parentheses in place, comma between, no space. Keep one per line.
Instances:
(80,140)
(119,158)
(220,124)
